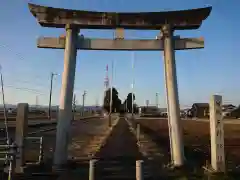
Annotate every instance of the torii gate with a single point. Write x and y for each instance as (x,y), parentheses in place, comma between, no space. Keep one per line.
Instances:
(74,20)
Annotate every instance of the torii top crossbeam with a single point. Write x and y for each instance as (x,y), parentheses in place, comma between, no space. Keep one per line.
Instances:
(180,20)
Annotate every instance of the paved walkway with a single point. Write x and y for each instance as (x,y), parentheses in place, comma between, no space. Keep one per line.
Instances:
(117,158)
(121,143)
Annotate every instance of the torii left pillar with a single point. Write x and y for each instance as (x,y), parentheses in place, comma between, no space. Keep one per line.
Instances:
(65,106)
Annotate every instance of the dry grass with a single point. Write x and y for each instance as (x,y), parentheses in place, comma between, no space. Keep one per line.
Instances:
(197,134)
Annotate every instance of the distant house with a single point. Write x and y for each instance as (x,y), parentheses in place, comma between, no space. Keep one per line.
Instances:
(185,113)
(149,109)
(234,113)
(200,110)
(163,110)
(227,107)
(228,110)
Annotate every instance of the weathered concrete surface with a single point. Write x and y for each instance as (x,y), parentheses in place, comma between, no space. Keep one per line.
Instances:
(125,44)
(58,17)
(65,114)
(20,135)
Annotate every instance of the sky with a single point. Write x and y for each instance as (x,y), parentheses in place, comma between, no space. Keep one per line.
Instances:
(200,73)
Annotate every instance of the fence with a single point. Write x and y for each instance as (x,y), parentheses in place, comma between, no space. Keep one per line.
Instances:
(14,152)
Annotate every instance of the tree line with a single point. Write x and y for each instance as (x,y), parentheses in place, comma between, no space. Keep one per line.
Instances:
(117,104)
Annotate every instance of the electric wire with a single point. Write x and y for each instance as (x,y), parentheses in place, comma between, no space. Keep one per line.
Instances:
(26,89)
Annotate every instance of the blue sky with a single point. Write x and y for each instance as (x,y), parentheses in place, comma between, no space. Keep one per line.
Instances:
(201,73)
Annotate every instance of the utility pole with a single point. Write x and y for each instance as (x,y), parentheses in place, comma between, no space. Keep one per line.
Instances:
(83,101)
(97,102)
(147,103)
(132,82)
(36,102)
(5,108)
(157,100)
(96,107)
(132,101)
(111,98)
(126,107)
(74,105)
(50,95)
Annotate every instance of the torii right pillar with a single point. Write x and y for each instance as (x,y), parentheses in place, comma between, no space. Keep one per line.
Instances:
(172,97)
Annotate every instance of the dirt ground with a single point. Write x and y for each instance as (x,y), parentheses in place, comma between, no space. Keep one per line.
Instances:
(34,116)
(196,138)
(87,136)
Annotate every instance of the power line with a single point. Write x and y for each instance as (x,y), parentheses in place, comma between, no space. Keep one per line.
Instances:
(35,77)
(25,89)
(19,57)
(16,53)
(30,83)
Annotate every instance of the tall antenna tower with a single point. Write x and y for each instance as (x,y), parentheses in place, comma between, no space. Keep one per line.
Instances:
(106,80)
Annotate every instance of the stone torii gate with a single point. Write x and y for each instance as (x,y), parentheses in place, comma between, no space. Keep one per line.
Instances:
(74,20)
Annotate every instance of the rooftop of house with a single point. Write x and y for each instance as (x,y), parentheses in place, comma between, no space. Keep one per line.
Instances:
(228,106)
(202,105)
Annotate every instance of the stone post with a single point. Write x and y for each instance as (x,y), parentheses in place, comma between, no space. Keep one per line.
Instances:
(139,173)
(217,134)
(20,135)
(92,163)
